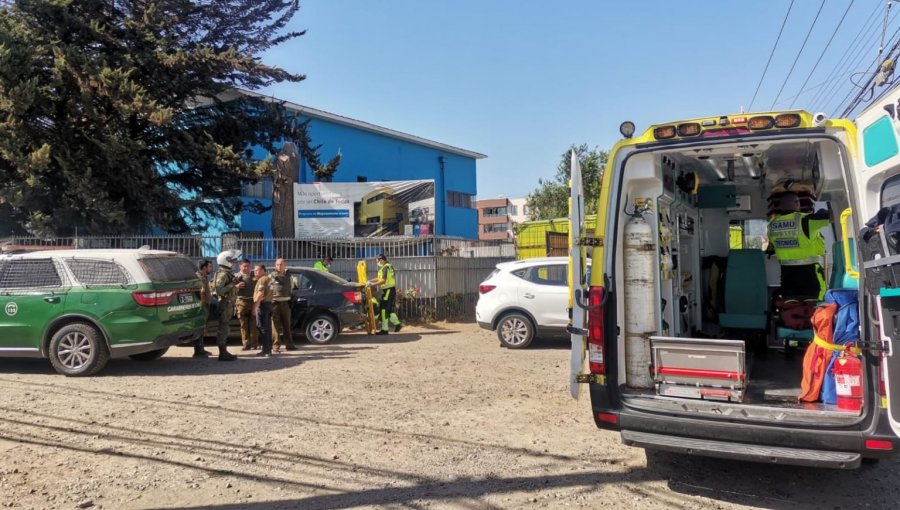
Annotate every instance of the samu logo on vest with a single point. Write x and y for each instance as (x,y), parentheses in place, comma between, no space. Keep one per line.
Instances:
(783,225)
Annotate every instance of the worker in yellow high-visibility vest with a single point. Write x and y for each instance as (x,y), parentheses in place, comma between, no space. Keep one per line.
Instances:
(386,281)
(795,238)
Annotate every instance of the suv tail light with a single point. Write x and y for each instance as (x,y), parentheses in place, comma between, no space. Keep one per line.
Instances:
(595,331)
(354,296)
(484,289)
(153,297)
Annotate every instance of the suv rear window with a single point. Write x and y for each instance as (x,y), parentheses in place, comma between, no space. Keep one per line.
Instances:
(169,269)
(98,272)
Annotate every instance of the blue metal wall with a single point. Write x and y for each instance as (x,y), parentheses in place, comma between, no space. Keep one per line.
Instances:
(379,157)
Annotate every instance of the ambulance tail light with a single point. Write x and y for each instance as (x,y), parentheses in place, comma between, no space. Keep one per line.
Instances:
(689,129)
(664,132)
(596,362)
(787,120)
(761,122)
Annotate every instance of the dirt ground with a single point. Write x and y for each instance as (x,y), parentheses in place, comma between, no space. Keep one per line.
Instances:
(431,417)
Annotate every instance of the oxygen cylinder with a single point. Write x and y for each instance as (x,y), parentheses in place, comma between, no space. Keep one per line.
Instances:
(640,301)
(848,382)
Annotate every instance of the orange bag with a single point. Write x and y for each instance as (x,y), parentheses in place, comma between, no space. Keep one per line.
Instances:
(819,352)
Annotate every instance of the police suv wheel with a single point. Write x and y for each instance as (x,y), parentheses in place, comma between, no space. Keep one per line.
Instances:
(78,349)
(515,331)
(321,329)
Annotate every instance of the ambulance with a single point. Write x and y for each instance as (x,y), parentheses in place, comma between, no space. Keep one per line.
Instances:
(676,332)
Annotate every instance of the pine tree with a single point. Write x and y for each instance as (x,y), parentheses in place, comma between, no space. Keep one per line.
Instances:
(119,116)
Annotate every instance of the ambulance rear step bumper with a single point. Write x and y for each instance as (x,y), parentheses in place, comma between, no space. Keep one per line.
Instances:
(741,451)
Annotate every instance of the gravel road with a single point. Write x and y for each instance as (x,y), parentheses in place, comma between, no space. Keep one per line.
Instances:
(431,417)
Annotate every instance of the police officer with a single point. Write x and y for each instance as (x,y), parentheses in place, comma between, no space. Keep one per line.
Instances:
(244,308)
(799,247)
(386,281)
(263,295)
(204,270)
(324,264)
(283,286)
(226,287)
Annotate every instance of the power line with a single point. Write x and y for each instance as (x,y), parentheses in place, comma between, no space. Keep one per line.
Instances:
(862,88)
(816,66)
(870,82)
(783,23)
(858,56)
(852,49)
(788,77)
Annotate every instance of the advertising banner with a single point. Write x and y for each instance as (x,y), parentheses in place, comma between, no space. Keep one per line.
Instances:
(364,209)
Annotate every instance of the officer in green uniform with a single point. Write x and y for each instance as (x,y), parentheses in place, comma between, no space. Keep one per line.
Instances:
(799,247)
(262,309)
(323,265)
(226,287)
(244,308)
(205,268)
(386,281)
(283,286)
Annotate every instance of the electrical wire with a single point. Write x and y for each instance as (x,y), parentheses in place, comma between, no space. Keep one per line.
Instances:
(788,77)
(816,66)
(841,61)
(869,85)
(873,68)
(855,61)
(783,23)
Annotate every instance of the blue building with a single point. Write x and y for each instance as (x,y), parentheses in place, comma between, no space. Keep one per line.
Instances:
(373,153)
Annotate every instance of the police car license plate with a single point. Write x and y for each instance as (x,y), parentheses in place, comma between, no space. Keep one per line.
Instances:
(185,298)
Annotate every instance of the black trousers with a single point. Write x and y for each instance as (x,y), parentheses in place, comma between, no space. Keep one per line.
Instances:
(264,324)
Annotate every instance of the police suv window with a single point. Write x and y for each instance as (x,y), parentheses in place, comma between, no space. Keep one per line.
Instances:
(890,192)
(98,272)
(30,274)
(169,269)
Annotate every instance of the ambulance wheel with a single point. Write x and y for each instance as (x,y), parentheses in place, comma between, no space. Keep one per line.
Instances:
(515,331)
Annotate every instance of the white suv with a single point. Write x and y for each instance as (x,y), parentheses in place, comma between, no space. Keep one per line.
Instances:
(523,298)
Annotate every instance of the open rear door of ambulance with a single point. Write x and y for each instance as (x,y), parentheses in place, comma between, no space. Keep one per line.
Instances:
(577,279)
(876,169)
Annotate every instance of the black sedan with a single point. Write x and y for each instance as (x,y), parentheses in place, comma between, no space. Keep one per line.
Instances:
(322,305)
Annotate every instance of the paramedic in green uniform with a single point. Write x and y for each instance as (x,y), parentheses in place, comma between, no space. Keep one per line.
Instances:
(799,247)
(386,281)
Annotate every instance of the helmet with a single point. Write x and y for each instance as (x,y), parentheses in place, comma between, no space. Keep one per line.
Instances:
(228,257)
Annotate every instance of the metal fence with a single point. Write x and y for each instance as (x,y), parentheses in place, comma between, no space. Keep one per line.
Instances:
(437,277)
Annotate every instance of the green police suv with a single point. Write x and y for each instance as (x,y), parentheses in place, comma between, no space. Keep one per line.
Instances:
(82,307)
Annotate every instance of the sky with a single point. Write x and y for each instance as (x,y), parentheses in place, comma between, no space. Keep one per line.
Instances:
(521,81)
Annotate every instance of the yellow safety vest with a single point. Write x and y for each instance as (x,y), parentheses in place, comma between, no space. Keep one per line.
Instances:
(792,247)
(386,273)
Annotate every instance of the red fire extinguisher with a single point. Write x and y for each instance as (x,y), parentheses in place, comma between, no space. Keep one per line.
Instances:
(848,381)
